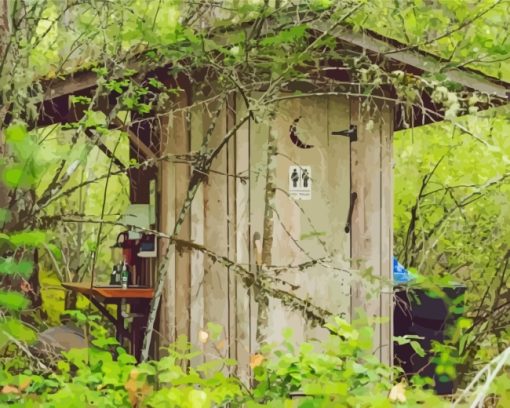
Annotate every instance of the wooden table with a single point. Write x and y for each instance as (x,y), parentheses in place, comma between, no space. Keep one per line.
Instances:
(138,299)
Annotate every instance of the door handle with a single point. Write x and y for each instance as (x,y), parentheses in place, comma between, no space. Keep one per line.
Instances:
(354,196)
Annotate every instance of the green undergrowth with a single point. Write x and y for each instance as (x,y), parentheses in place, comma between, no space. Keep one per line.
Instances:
(340,371)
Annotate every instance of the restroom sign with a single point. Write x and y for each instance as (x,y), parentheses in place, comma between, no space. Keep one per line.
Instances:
(300,182)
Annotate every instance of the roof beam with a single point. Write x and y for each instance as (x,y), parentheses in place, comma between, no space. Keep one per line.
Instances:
(420,60)
(97,141)
(135,140)
(53,88)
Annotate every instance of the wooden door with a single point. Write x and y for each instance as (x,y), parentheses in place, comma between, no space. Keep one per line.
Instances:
(310,209)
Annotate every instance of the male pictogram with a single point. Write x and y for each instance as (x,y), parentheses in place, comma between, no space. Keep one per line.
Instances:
(295,178)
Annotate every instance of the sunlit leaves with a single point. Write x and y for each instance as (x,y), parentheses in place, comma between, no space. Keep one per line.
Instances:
(5,215)
(287,36)
(10,267)
(32,239)
(14,328)
(12,301)
(16,133)
(461,31)
(17,175)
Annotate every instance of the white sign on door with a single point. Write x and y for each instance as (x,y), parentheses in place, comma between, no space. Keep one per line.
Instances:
(300,182)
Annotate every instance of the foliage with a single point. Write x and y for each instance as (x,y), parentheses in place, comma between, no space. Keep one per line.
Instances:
(341,371)
(61,196)
(338,371)
(451,194)
(105,375)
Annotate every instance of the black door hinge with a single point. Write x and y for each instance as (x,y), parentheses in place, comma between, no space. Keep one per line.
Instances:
(351,133)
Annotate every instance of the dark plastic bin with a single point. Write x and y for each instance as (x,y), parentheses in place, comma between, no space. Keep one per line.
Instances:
(421,313)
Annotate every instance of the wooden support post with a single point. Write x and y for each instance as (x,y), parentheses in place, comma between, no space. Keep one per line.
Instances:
(166,221)
(180,144)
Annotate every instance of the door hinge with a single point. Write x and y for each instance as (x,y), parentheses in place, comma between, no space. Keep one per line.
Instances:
(351,133)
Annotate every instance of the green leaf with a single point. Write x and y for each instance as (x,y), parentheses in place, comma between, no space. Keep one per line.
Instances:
(214,330)
(5,215)
(16,175)
(464,323)
(286,36)
(78,99)
(104,343)
(13,301)
(16,133)
(126,359)
(197,399)
(17,329)
(55,250)
(10,267)
(30,239)
(418,349)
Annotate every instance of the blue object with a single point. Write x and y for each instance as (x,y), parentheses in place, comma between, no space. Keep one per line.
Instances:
(400,274)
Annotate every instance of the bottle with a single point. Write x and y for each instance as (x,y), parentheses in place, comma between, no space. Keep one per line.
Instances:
(113,277)
(124,276)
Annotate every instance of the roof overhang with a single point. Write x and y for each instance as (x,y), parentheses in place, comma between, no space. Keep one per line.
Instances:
(379,48)
(420,60)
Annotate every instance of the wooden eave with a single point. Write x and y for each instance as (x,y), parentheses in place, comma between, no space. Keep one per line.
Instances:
(381,49)
(413,58)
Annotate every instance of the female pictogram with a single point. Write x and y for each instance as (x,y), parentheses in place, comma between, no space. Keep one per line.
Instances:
(305,176)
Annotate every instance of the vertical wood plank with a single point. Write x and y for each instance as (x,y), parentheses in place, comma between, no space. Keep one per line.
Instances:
(386,132)
(216,283)
(258,135)
(180,144)
(371,221)
(166,187)
(243,295)
(366,218)
(173,186)
(231,226)
(198,236)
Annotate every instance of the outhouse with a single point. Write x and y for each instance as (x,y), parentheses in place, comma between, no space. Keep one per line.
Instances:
(302,195)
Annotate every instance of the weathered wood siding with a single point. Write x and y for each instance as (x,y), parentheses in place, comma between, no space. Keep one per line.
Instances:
(229,209)
(306,229)
(372,234)
(173,186)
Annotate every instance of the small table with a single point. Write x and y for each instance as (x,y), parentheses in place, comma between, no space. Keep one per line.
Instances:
(138,297)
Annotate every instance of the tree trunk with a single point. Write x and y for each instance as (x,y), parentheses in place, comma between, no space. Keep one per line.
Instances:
(35,293)
(260,296)
(4,38)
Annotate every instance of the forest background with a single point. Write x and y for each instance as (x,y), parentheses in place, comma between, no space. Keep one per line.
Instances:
(452,191)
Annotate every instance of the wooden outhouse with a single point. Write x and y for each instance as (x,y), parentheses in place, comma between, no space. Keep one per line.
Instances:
(332,238)
(330,171)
